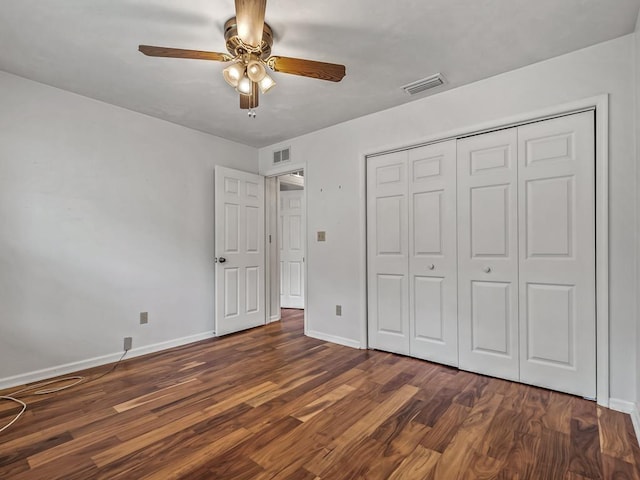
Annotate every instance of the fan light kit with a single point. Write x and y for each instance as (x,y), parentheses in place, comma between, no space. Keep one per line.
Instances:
(248,41)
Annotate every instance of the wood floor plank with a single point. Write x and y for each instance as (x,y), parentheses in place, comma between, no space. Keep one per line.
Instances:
(271,403)
(418,464)
(314,408)
(614,442)
(553,455)
(446,427)
(585,458)
(458,456)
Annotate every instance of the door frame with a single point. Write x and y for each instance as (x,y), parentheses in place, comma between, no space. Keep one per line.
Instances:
(269,260)
(600,105)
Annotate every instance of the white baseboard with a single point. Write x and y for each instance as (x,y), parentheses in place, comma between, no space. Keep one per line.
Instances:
(633,409)
(347,342)
(635,419)
(72,367)
(623,406)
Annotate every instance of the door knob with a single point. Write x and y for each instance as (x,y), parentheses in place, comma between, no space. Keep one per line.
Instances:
(222,259)
(432,266)
(487,269)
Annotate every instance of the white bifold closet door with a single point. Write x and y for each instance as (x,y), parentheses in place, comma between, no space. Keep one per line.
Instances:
(556,210)
(387,251)
(488,253)
(412,252)
(526,254)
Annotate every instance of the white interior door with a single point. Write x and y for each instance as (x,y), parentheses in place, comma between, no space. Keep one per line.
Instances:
(557,254)
(387,251)
(239,243)
(433,308)
(291,238)
(488,254)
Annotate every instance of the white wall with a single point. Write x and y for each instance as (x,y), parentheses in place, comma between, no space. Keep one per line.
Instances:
(334,171)
(637,83)
(104,213)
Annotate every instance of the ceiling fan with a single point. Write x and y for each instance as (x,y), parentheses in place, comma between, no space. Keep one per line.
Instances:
(249,40)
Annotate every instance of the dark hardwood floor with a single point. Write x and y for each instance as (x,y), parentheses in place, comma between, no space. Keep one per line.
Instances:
(271,403)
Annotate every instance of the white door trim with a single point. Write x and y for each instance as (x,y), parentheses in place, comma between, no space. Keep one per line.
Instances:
(600,104)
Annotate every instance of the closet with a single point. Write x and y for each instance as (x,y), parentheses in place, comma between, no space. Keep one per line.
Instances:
(481,253)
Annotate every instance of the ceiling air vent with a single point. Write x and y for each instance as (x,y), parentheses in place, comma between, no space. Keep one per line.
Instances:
(281,156)
(424,84)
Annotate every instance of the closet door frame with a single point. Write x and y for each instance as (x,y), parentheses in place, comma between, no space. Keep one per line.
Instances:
(600,105)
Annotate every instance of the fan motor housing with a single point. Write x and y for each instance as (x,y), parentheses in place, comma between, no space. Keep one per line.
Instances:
(236,47)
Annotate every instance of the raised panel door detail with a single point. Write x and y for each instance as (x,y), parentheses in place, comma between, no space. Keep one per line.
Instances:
(295,203)
(252,230)
(252,189)
(389,174)
(427,168)
(231,292)
(490,221)
(252,275)
(550,323)
(232,228)
(490,317)
(489,160)
(295,232)
(550,148)
(428,308)
(427,223)
(295,278)
(389,238)
(549,217)
(231,186)
(391,303)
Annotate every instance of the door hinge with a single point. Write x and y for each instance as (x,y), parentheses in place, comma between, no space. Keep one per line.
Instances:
(269,238)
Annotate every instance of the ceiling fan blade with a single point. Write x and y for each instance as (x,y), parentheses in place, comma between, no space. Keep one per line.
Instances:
(250,20)
(250,101)
(180,53)
(307,68)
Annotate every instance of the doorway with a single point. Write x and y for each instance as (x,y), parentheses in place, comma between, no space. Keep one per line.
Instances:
(286,237)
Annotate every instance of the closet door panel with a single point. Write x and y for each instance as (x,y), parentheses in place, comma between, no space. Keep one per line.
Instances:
(557,258)
(488,254)
(387,252)
(432,252)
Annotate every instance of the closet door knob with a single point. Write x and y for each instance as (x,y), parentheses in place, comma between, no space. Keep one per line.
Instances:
(432,266)
(487,269)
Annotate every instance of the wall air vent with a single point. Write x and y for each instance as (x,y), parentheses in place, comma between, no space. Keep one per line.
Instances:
(282,156)
(424,84)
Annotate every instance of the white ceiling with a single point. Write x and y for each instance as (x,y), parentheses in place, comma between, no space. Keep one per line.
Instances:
(90,47)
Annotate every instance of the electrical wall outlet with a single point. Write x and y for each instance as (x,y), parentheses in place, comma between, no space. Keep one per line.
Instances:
(128,342)
(339,310)
(144,318)
(322,236)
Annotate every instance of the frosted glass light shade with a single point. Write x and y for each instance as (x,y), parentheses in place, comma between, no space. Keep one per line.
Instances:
(266,84)
(255,71)
(233,73)
(244,86)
